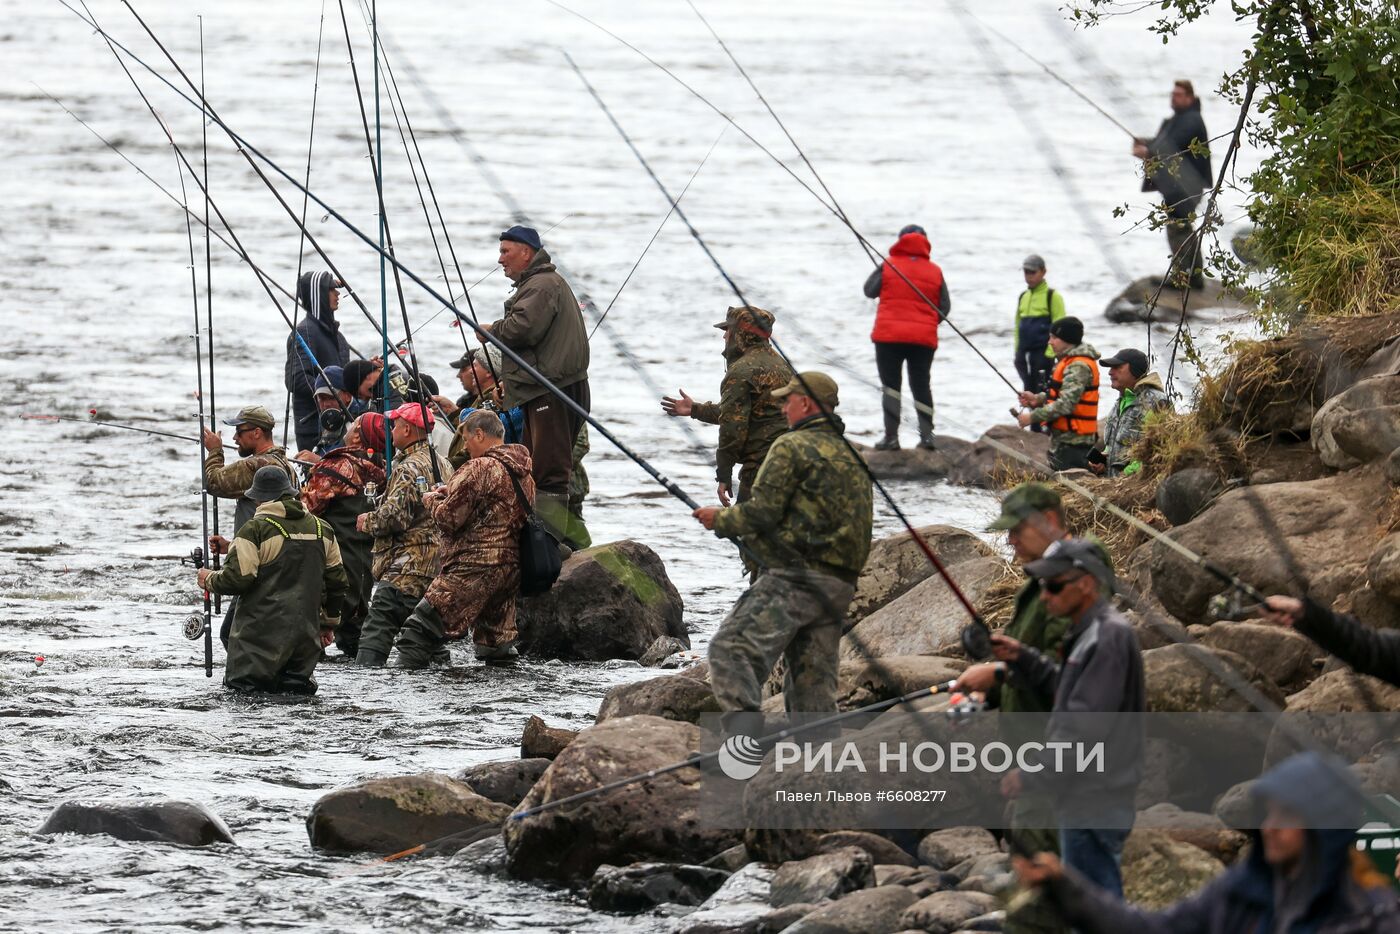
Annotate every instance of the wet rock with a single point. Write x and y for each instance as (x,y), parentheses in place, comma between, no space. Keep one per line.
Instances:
(873,680)
(611,601)
(541,741)
(486,856)
(654,819)
(914,463)
(387,815)
(945,912)
(1284,656)
(1185,494)
(927,619)
(730,860)
(1383,570)
(944,849)
(736,907)
(1320,520)
(871,911)
(882,850)
(824,876)
(1180,681)
(644,886)
(507,781)
(181,822)
(991,921)
(1159,871)
(670,696)
(896,564)
(663,648)
(1360,424)
(782,919)
(986,465)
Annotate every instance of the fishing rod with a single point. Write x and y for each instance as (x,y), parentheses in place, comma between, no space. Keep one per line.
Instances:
(979,625)
(94,420)
(215,557)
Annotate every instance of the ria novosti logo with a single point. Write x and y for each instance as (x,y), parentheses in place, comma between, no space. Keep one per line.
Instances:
(740,757)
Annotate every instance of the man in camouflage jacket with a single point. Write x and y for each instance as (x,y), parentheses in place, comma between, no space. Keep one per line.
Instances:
(285,568)
(405,555)
(1078,390)
(1140,394)
(749,418)
(478,517)
(809,522)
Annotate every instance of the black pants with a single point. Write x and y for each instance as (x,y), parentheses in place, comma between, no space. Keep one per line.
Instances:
(1184,261)
(1069,456)
(306,421)
(550,430)
(890,359)
(1033,364)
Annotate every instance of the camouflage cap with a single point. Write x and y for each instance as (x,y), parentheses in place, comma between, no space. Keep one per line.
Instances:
(1022,502)
(254,415)
(812,384)
(757,320)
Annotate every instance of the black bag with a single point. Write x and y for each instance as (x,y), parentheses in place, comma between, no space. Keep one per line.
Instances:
(539,553)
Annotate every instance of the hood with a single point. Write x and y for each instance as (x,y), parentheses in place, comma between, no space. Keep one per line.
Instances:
(1150,380)
(740,340)
(1081,350)
(313,289)
(515,457)
(288,507)
(912,244)
(540,262)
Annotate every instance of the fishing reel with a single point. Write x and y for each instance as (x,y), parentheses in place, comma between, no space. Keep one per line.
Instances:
(976,641)
(1230,606)
(371,491)
(194,627)
(962,708)
(196,558)
(332,423)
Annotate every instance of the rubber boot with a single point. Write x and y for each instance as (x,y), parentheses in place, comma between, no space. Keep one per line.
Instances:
(496,654)
(369,658)
(891,440)
(925,431)
(577,537)
(553,510)
(422,638)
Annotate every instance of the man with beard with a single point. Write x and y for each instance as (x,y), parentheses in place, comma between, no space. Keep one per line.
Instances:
(749,418)
(319,296)
(335,491)
(1176,165)
(252,432)
(478,517)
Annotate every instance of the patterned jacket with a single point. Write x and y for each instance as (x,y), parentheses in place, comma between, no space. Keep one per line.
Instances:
(479,519)
(342,473)
(405,541)
(1077,379)
(812,505)
(232,482)
(1123,428)
(749,419)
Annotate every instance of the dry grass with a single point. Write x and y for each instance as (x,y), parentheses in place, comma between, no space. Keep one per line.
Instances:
(999,601)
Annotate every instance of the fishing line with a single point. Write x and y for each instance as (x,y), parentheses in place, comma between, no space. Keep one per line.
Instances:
(215,557)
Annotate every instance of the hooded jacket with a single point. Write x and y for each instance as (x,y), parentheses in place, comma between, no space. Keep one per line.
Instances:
(543,324)
(321,332)
(1341,891)
(903,315)
(480,517)
(1123,427)
(1173,170)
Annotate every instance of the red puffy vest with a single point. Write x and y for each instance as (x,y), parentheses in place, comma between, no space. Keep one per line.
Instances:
(902,316)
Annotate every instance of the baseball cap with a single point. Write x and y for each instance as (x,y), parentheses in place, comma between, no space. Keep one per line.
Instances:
(1023,502)
(1135,359)
(1071,554)
(812,384)
(1033,262)
(254,415)
(412,413)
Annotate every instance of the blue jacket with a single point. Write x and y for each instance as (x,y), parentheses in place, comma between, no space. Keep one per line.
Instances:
(512,419)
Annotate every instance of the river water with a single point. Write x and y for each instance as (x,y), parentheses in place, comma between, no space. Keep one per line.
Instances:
(911,112)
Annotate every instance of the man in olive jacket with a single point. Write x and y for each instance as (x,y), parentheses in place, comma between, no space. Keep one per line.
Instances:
(543,324)
(284,566)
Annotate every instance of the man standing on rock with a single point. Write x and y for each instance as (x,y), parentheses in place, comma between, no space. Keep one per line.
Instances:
(1101,673)
(809,522)
(1140,395)
(285,568)
(1176,165)
(1069,407)
(748,416)
(478,516)
(1038,307)
(405,552)
(543,324)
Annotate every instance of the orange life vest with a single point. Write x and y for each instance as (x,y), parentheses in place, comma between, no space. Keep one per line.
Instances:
(1084,420)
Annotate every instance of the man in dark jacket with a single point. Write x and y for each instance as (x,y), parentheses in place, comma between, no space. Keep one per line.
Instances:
(319,296)
(543,324)
(1374,652)
(284,566)
(1302,875)
(1101,673)
(1177,166)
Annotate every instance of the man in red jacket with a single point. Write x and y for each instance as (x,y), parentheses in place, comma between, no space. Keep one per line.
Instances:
(913,299)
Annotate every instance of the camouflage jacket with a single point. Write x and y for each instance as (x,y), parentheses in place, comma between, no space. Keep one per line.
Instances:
(812,505)
(479,519)
(578,478)
(1123,428)
(405,540)
(342,473)
(232,482)
(1076,380)
(749,419)
(285,567)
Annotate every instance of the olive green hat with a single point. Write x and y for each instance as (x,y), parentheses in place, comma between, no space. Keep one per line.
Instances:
(1023,502)
(812,384)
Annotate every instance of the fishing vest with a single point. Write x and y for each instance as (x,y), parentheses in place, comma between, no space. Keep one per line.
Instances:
(903,317)
(1084,420)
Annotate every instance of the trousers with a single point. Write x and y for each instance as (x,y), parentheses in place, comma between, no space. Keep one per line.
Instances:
(890,361)
(388,609)
(550,430)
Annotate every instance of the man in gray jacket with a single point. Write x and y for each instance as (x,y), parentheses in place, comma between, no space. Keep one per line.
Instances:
(1140,394)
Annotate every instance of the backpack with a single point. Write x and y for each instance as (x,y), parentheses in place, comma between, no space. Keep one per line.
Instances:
(539,554)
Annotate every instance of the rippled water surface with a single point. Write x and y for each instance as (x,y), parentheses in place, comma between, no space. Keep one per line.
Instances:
(912,113)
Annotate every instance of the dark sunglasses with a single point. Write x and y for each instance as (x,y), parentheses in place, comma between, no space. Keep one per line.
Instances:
(1055,586)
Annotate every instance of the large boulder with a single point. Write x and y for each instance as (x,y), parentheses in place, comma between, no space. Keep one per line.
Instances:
(869,911)
(388,815)
(946,912)
(611,601)
(644,886)
(1204,831)
(737,906)
(506,781)
(1273,537)
(652,819)
(986,463)
(944,849)
(896,564)
(927,619)
(1286,657)
(914,463)
(1185,494)
(1341,691)
(1182,678)
(671,696)
(539,740)
(1359,425)
(821,877)
(181,822)
(882,850)
(1383,570)
(1159,871)
(869,681)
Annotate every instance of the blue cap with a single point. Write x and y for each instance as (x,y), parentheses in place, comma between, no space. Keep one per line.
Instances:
(336,377)
(526,235)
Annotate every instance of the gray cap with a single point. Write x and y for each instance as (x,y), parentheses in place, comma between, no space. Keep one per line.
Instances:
(1033,262)
(1071,554)
(269,483)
